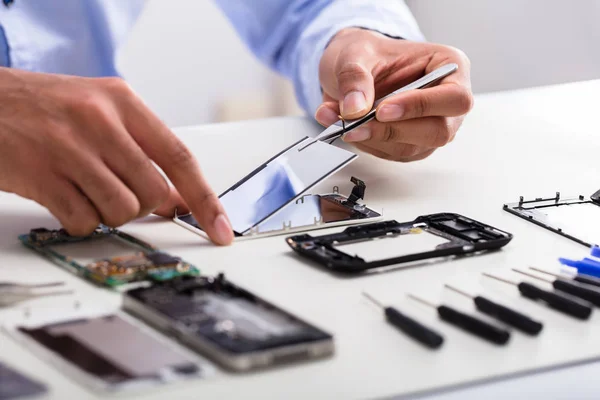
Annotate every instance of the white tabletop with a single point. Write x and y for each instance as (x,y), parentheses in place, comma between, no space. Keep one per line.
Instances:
(531,143)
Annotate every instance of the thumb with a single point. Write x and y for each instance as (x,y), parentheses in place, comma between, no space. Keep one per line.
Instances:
(356,87)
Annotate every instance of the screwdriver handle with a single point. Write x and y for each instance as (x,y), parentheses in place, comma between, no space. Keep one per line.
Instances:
(508,316)
(473,325)
(587,279)
(586,292)
(556,301)
(413,328)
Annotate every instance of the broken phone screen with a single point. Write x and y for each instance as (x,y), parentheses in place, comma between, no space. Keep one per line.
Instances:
(576,218)
(280,181)
(113,353)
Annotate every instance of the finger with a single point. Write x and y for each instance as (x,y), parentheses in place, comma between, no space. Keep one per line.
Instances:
(347,77)
(128,161)
(174,203)
(113,200)
(448,100)
(66,202)
(176,160)
(328,113)
(428,132)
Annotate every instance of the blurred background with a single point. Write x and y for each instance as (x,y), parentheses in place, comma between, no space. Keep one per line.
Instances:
(185,60)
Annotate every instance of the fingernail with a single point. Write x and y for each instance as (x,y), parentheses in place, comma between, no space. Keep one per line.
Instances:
(354,103)
(358,135)
(390,112)
(326,115)
(223,230)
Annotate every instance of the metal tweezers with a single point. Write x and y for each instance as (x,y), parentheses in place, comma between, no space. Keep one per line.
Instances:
(341,127)
(13,293)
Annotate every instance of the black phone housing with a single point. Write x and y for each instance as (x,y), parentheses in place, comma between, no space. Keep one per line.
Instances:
(464,236)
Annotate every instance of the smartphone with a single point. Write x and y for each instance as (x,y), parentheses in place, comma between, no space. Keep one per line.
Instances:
(226,323)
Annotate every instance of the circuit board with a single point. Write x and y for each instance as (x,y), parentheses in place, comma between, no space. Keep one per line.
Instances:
(146,263)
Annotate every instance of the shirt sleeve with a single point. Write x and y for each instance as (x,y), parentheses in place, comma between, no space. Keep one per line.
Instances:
(291,35)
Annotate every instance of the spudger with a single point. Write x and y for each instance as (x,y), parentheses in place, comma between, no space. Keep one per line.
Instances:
(582,278)
(411,327)
(557,301)
(502,313)
(468,323)
(581,290)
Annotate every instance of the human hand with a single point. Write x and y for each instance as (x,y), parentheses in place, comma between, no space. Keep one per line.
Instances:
(83,148)
(360,66)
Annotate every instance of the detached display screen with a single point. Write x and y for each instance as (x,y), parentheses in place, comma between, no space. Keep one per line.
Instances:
(114,351)
(280,181)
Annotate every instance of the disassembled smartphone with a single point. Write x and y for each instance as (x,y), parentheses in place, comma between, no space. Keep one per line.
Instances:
(143,262)
(14,385)
(308,212)
(425,238)
(110,353)
(226,323)
(576,218)
(270,200)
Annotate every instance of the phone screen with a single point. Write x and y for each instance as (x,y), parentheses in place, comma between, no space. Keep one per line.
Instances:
(280,181)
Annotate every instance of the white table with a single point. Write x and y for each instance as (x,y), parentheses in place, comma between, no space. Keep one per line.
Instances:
(531,142)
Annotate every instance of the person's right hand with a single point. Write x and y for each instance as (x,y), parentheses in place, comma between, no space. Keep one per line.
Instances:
(83,148)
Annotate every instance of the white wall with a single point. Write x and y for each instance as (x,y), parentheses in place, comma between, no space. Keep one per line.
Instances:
(518,43)
(185,60)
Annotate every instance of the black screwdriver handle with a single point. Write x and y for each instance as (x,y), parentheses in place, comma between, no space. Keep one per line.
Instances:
(587,279)
(413,328)
(583,291)
(508,316)
(474,325)
(556,301)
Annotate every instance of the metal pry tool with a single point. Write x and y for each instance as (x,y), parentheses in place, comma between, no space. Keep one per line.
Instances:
(341,127)
(13,293)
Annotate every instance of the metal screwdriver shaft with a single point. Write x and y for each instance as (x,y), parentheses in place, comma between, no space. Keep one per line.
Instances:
(581,290)
(557,301)
(502,313)
(408,325)
(467,322)
(581,278)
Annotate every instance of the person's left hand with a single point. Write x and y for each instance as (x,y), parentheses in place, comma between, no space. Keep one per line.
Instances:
(360,66)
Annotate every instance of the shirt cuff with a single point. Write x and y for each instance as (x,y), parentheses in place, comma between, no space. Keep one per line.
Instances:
(394,20)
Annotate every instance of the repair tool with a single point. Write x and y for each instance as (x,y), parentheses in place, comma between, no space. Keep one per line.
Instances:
(581,290)
(467,322)
(588,279)
(587,266)
(502,313)
(13,293)
(341,127)
(411,327)
(557,301)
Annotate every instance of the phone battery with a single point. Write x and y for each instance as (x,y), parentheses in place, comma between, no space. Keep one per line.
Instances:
(227,323)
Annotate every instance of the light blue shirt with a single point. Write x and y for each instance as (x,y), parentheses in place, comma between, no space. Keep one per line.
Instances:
(81,37)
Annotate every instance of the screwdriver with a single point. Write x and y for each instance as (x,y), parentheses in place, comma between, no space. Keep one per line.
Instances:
(583,291)
(557,301)
(468,323)
(409,326)
(581,278)
(502,313)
